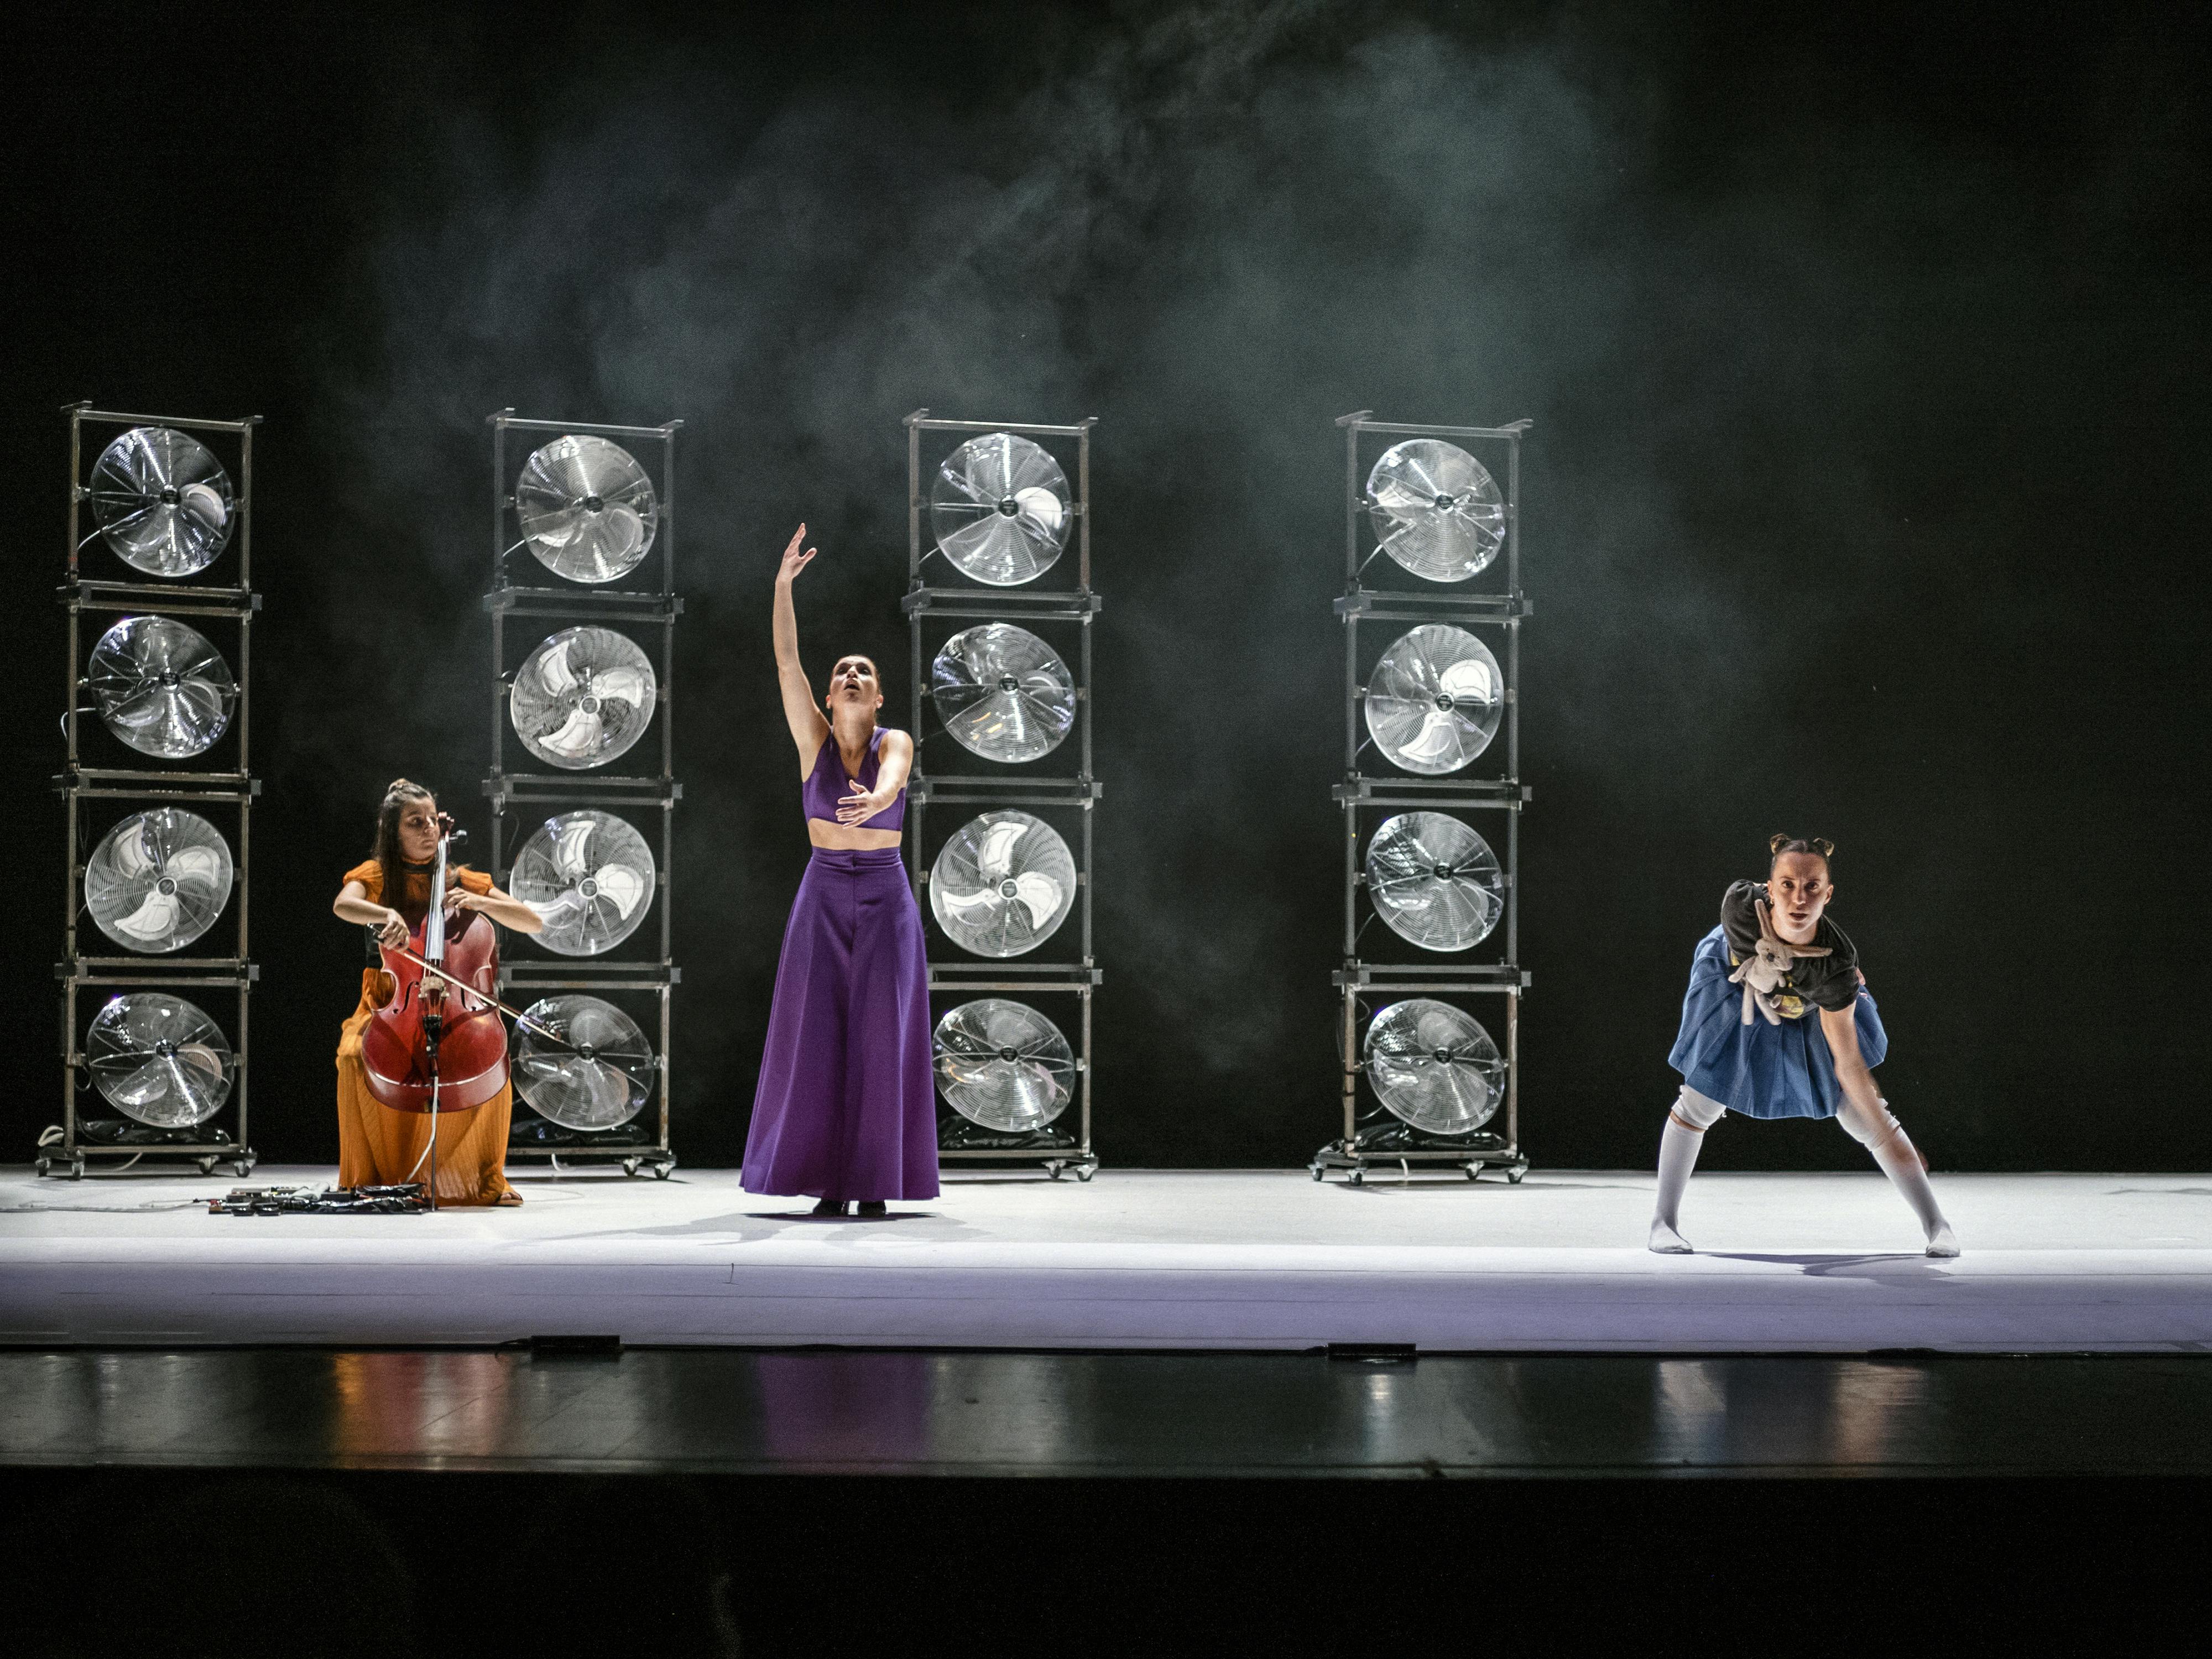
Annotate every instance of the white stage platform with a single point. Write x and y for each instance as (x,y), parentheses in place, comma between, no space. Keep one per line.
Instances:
(1136,1259)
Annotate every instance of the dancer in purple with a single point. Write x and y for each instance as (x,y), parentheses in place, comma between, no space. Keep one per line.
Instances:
(847,1108)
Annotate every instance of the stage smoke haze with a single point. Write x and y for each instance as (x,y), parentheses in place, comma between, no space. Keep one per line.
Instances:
(1787,529)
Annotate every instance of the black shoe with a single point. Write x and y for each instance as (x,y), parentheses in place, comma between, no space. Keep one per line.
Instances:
(831,1207)
(873,1209)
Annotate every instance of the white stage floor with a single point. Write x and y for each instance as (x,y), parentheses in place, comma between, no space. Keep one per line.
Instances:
(1136,1259)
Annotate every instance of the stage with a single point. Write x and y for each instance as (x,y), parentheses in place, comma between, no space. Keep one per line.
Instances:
(1134,1260)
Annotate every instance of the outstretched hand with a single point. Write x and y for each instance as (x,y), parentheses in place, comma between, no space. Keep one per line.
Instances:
(793,560)
(864,804)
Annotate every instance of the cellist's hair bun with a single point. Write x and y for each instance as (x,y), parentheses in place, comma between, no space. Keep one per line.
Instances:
(404,789)
(1782,841)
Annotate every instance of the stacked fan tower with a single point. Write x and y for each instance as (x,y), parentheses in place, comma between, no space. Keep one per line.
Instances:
(1432,705)
(595,677)
(149,863)
(1005,881)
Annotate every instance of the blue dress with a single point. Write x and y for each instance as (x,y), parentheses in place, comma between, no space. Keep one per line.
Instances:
(1760,1069)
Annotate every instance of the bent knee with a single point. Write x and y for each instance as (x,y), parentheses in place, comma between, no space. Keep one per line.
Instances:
(1868,1128)
(1695,1111)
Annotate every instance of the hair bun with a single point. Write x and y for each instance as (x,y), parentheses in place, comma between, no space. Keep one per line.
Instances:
(1783,841)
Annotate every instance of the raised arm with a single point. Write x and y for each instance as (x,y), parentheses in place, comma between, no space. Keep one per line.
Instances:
(808,726)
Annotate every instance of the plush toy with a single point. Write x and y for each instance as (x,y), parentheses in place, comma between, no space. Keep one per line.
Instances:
(1768,969)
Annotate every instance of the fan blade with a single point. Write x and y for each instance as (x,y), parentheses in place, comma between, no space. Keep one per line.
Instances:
(555,911)
(972,906)
(156,918)
(1042,506)
(998,855)
(204,506)
(571,852)
(149,1081)
(1040,894)
(1438,737)
(553,668)
(133,857)
(621,685)
(1468,681)
(623,534)
(204,1058)
(578,735)
(621,885)
(200,864)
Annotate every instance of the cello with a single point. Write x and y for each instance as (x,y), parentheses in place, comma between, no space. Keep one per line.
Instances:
(438,1043)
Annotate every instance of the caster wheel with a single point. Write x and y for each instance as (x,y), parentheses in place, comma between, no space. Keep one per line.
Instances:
(41,1165)
(1357,1178)
(1053,1171)
(1315,1171)
(629,1166)
(1513,1175)
(207,1166)
(1474,1172)
(1084,1175)
(76,1168)
(662,1172)
(242,1168)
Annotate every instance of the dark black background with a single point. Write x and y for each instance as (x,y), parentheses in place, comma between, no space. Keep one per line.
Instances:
(1865,497)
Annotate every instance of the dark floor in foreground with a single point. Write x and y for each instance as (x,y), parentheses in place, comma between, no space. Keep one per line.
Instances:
(815,1412)
(832,1502)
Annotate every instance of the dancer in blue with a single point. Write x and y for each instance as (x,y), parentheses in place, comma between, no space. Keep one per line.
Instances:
(1747,1046)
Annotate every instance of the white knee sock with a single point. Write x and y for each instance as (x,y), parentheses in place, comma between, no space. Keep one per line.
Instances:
(1678,1156)
(1901,1162)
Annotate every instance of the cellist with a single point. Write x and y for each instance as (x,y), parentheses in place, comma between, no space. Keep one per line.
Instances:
(377,1145)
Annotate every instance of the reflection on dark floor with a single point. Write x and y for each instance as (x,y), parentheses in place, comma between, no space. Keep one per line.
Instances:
(710,1501)
(995,1414)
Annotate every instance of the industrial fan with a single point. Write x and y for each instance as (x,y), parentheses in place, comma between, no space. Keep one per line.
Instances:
(582,697)
(587,509)
(161,687)
(1003,1065)
(1433,1067)
(1003,693)
(590,876)
(599,1077)
(163,501)
(1434,881)
(1002,885)
(1434,700)
(1000,509)
(158,879)
(1435,509)
(158,1059)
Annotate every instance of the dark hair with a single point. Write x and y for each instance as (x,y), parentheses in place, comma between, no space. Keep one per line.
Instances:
(1820,846)
(390,862)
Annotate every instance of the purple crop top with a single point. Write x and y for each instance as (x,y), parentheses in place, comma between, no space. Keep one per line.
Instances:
(827,784)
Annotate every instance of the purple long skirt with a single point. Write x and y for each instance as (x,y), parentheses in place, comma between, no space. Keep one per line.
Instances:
(847,1106)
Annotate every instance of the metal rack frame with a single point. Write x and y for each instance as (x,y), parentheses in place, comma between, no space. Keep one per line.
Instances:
(512,792)
(1357,1151)
(78,783)
(1077,606)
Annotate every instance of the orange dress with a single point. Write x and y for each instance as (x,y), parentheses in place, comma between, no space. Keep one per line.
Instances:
(378,1147)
